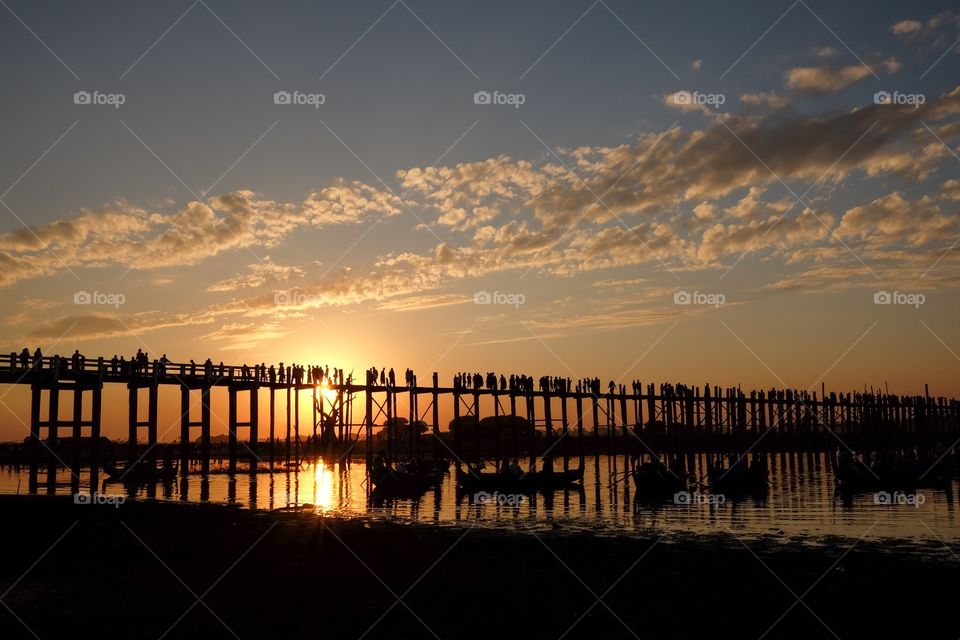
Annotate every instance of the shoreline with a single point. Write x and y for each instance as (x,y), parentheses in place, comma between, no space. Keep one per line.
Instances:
(291,571)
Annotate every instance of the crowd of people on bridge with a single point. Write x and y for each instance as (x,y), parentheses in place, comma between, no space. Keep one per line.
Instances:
(525,383)
(388,377)
(140,364)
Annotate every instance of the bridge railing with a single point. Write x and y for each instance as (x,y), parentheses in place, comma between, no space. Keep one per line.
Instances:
(115,367)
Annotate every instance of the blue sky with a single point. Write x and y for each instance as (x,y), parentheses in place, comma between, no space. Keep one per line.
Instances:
(199,98)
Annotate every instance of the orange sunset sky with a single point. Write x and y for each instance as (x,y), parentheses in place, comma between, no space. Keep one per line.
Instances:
(553,190)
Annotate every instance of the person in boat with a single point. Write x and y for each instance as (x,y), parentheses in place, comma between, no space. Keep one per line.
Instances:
(759,464)
(547,466)
(379,464)
(678,467)
(514,469)
(504,467)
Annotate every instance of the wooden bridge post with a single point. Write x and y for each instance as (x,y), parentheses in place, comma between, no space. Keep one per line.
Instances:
(343,409)
(565,426)
(317,399)
(707,410)
(761,412)
(273,418)
(611,420)
(184,430)
(532,418)
(436,415)
(134,417)
(296,423)
(205,429)
(580,442)
(391,427)
(514,438)
(52,436)
(96,416)
(414,412)
(595,409)
(368,420)
(477,435)
(254,427)
(627,445)
(458,430)
(548,430)
(496,428)
(288,425)
(36,392)
(232,428)
(77,435)
(652,407)
(152,406)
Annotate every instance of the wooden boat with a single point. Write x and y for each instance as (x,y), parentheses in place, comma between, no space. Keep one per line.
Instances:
(854,476)
(526,483)
(405,483)
(741,479)
(139,472)
(656,483)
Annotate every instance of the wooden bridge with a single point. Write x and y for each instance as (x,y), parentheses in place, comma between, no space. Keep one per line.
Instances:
(642,419)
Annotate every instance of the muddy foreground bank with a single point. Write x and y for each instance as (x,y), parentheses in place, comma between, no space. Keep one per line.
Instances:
(137,571)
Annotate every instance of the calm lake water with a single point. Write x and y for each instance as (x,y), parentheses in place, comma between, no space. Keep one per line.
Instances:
(800,505)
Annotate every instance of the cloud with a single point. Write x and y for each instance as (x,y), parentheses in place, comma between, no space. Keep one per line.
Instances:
(906,29)
(28,308)
(135,238)
(765,99)
(684,101)
(91,326)
(349,203)
(420,303)
(825,52)
(689,198)
(259,274)
(893,219)
(240,335)
(774,234)
(829,78)
(933,30)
